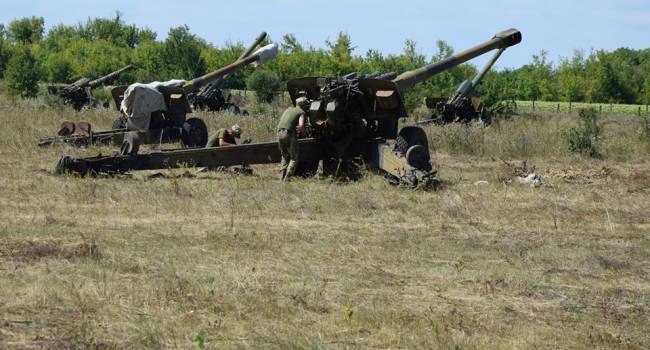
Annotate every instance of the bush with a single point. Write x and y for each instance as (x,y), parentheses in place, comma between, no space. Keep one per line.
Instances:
(27,30)
(583,138)
(264,83)
(5,55)
(22,74)
(58,69)
(102,96)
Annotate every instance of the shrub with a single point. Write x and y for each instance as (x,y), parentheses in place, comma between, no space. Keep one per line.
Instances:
(59,69)
(264,83)
(5,55)
(27,30)
(102,96)
(583,138)
(22,74)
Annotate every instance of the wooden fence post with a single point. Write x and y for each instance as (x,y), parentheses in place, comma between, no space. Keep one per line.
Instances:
(600,109)
(533,105)
(558,108)
(611,107)
(639,111)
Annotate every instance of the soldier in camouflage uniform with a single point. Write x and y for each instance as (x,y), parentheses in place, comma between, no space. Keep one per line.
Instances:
(225,137)
(291,125)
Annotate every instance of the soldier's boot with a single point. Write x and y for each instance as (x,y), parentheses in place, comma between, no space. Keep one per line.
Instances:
(291,169)
(283,168)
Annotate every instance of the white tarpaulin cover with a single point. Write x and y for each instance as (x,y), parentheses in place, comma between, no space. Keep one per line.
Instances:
(140,100)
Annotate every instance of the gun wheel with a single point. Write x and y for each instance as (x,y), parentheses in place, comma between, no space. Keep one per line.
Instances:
(194,133)
(410,136)
(418,157)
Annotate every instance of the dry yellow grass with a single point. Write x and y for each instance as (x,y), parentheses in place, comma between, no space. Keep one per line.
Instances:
(222,261)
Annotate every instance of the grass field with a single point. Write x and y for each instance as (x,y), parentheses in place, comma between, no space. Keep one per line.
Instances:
(214,260)
(549,106)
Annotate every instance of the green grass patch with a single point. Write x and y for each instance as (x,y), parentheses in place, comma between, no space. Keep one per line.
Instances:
(552,106)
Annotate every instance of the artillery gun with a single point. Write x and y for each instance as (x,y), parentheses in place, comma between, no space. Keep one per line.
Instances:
(461,107)
(352,120)
(156,112)
(212,98)
(79,93)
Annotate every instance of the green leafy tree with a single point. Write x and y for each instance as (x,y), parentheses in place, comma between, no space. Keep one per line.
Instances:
(571,80)
(296,60)
(183,54)
(216,58)
(5,54)
(444,50)
(22,74)
(497,87)
(265,83)
(101,45)
(535,80)
(645,93)
(113,30)
(149,60)
(291,44)
(27,30)
(59,68)
(644,73)
(341,60)
(605,85)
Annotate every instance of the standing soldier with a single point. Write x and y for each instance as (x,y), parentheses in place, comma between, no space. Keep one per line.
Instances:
(225,137)
(291,125)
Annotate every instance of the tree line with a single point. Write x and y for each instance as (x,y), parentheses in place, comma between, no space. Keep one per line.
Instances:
(66,53)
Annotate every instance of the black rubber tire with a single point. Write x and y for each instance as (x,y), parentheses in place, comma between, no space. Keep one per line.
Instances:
(410,136)
(194,133)
(486,118)
(401,145)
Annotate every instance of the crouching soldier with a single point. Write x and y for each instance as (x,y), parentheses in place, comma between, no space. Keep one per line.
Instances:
(225,137)
(290,127)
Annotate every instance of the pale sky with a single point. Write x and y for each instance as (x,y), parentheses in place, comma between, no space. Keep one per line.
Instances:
(556,26)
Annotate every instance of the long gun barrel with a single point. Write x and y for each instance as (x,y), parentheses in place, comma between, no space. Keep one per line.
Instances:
(467,87)
(259,57)
(217,83)
(501,40)
(108,78)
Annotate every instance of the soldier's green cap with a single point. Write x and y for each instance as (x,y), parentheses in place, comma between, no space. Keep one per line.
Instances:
(236,128)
